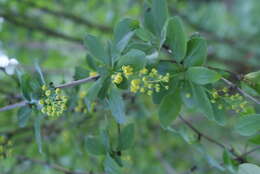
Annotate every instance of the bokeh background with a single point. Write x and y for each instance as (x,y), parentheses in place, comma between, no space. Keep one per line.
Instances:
(51,32)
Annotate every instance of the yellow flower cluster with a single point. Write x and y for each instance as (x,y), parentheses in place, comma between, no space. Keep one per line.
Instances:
(127,70)
(5,147)
(143,81)
(117,78)
(149,82)
(234,102)
(53,102)
(81,107)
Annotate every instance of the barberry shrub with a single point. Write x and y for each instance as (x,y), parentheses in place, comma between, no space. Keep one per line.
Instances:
(154,59)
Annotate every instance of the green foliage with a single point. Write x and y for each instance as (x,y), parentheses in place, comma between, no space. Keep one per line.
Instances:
(196,52)
(116,105)
(123,79)
(95,146)
(176,38)
(126,137)
(248,125)
(170,108)
(202,75)
(23,115)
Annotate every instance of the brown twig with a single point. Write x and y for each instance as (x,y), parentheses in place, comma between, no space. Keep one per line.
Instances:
(53,166)
(70,16)
(10,17)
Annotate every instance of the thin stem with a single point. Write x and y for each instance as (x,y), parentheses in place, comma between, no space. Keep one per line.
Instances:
(231,84)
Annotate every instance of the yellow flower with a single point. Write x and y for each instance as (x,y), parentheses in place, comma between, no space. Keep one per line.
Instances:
(44,87)
(93,74)
(220,107)
(213,101)
(150,92)
(128,70)
(142,90)
(166,78)
(188,95)
(117,79)
(143,71)
(135,85)
(43,110)
(57,90)
(48,93)
(41,102)
(225,89)
(82,94)
(215,94)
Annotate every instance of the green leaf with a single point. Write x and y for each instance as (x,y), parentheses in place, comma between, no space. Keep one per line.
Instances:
(80,73)
(122,29)
(95,146)
(186,95)
(170,108)
(134,58)
(110,166)
(24,114)
(248,125)
(253,77)
(202,101)
(37,131)
(95,89)
(26,86)
(96,49)
(149,22)
(219,115)
(227,159)
(160,14)
(196,52)
(248,168)
(126,137)
(202,75)
(39,73)
(255,139)
(144,34)
(176,38)
(116,105)
(121,45)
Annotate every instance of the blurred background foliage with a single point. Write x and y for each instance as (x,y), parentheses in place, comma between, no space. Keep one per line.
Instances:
(52,32)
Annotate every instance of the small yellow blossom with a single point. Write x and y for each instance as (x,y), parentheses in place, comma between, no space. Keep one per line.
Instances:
(41,102)
(44,87)
(135,85)
(48,93)
(57,90)
(117,79)
(82,94)
(143,71)
(93,74)
(188,95)
(127,70)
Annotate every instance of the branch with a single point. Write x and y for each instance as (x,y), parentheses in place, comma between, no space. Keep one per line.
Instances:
(33,26)
(53,166)
(70,16)
(66,85)
(238,158)
(250,151)
(240,90)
